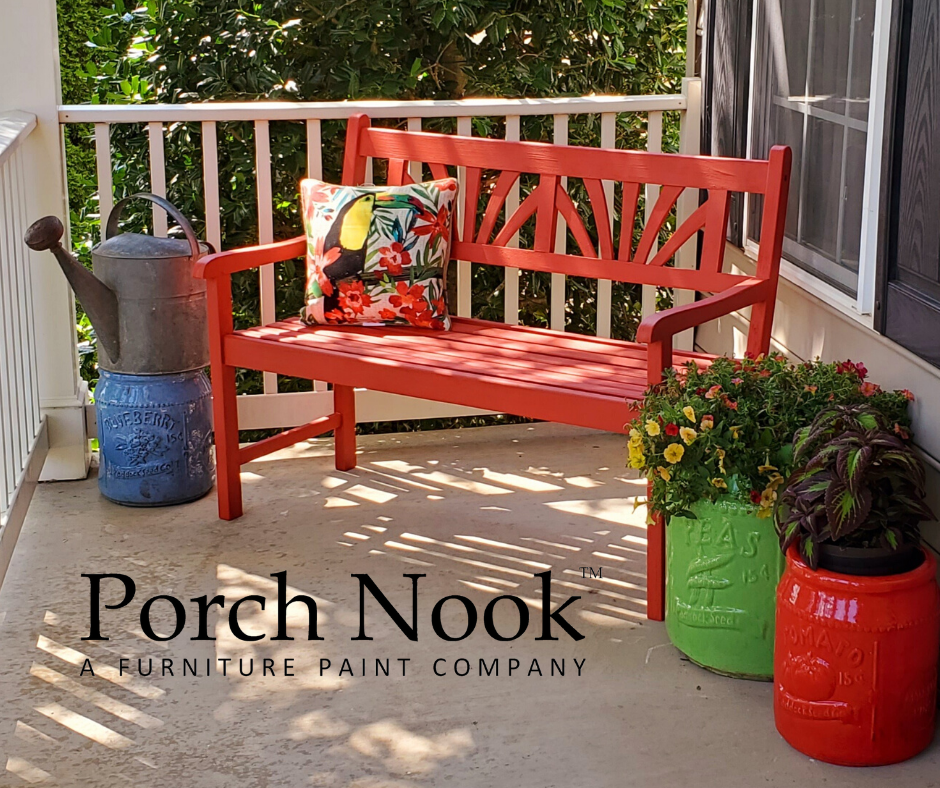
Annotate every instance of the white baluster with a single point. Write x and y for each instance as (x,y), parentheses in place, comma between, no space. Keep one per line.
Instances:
(103,166)
(654,144)
(604,287)
(556,312)
(464,269)
(511,287)
(157,176)
(265,231)
(210,183)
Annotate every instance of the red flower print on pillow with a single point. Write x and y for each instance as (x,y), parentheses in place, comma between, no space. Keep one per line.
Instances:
(352,297)
(394,258)
(422,319)
(320,260)
(411,298)
(434,225)
(336,316)
(315,193)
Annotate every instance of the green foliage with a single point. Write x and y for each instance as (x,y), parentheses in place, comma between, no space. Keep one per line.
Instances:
(858,483)
(313,50)
(728,429)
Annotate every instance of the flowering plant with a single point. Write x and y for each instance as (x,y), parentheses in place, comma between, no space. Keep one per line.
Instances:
(727,428)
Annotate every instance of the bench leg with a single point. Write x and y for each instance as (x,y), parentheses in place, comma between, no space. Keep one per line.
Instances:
(225,416)
(655,565)
(344,403)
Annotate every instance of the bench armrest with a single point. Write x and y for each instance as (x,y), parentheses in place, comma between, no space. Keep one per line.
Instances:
(664,325)
(248,257)
(657,330)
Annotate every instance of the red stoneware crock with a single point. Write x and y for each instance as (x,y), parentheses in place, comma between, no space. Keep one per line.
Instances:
(855,663)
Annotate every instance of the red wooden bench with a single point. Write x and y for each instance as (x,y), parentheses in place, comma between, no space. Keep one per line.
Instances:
(572,379)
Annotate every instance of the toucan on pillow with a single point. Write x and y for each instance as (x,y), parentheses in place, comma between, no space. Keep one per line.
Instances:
(377,255)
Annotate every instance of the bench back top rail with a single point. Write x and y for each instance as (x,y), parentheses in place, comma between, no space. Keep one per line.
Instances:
(479,238)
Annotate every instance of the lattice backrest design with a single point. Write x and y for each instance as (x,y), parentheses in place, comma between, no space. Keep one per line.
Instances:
(483,236)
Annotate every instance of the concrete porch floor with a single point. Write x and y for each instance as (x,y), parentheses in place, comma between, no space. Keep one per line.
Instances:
(497,505)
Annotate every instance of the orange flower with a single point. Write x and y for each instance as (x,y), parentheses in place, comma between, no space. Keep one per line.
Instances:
(320,259)
(325,284)
(422,319)
(315,193)
(870,389)
(434,225)
(409,297)
(352,296)
(394,258)
(336,316)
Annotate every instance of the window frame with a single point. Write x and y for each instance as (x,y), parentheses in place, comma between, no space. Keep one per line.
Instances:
(861,307)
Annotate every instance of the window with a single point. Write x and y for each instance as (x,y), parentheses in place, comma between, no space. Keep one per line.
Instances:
(811,80)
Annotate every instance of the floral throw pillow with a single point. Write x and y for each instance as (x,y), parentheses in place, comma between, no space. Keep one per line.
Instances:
(377,255)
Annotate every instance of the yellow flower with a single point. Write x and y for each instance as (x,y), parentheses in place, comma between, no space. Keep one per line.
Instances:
(673,453)
(637,458)
(708,423)
(720,453)
(665,473)
(735,432)
(688,435)
(689,412)
(765,468)
(720,484)
(767,498)
(635,434)
(652,428)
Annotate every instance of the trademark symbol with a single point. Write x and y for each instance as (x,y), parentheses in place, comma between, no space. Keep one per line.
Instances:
(589,571)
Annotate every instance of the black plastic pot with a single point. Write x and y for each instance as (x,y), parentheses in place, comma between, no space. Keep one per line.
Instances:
(870,561)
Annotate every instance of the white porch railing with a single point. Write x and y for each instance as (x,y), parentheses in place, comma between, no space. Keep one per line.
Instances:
(22,429)
(273,409)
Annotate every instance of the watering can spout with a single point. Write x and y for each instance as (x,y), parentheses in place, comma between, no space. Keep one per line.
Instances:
(98,300)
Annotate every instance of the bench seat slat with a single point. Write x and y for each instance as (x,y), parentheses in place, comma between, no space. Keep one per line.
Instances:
(484,358)
(615,351)
(505,395)
(443,356)
(560,374)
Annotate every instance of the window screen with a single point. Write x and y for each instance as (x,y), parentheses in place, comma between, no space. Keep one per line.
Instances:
(812,74)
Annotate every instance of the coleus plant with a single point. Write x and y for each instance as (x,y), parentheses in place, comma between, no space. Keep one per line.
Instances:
(856,483)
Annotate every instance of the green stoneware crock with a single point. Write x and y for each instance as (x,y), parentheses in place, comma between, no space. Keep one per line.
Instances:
(722,570)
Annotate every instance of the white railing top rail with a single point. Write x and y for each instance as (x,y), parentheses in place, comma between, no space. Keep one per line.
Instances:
(15,127)
(336,110)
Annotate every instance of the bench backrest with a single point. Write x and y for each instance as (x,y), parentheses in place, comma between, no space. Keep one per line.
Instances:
(482,236)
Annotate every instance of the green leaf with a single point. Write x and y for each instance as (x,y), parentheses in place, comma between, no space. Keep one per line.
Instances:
(845,510)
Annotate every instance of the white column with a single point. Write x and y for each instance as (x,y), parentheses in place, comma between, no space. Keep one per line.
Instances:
(29,61)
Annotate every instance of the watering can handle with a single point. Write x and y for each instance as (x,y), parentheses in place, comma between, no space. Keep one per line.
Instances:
(112,226)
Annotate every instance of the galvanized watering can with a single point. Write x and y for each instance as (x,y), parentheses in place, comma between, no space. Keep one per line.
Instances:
(147,310)
(153,399)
